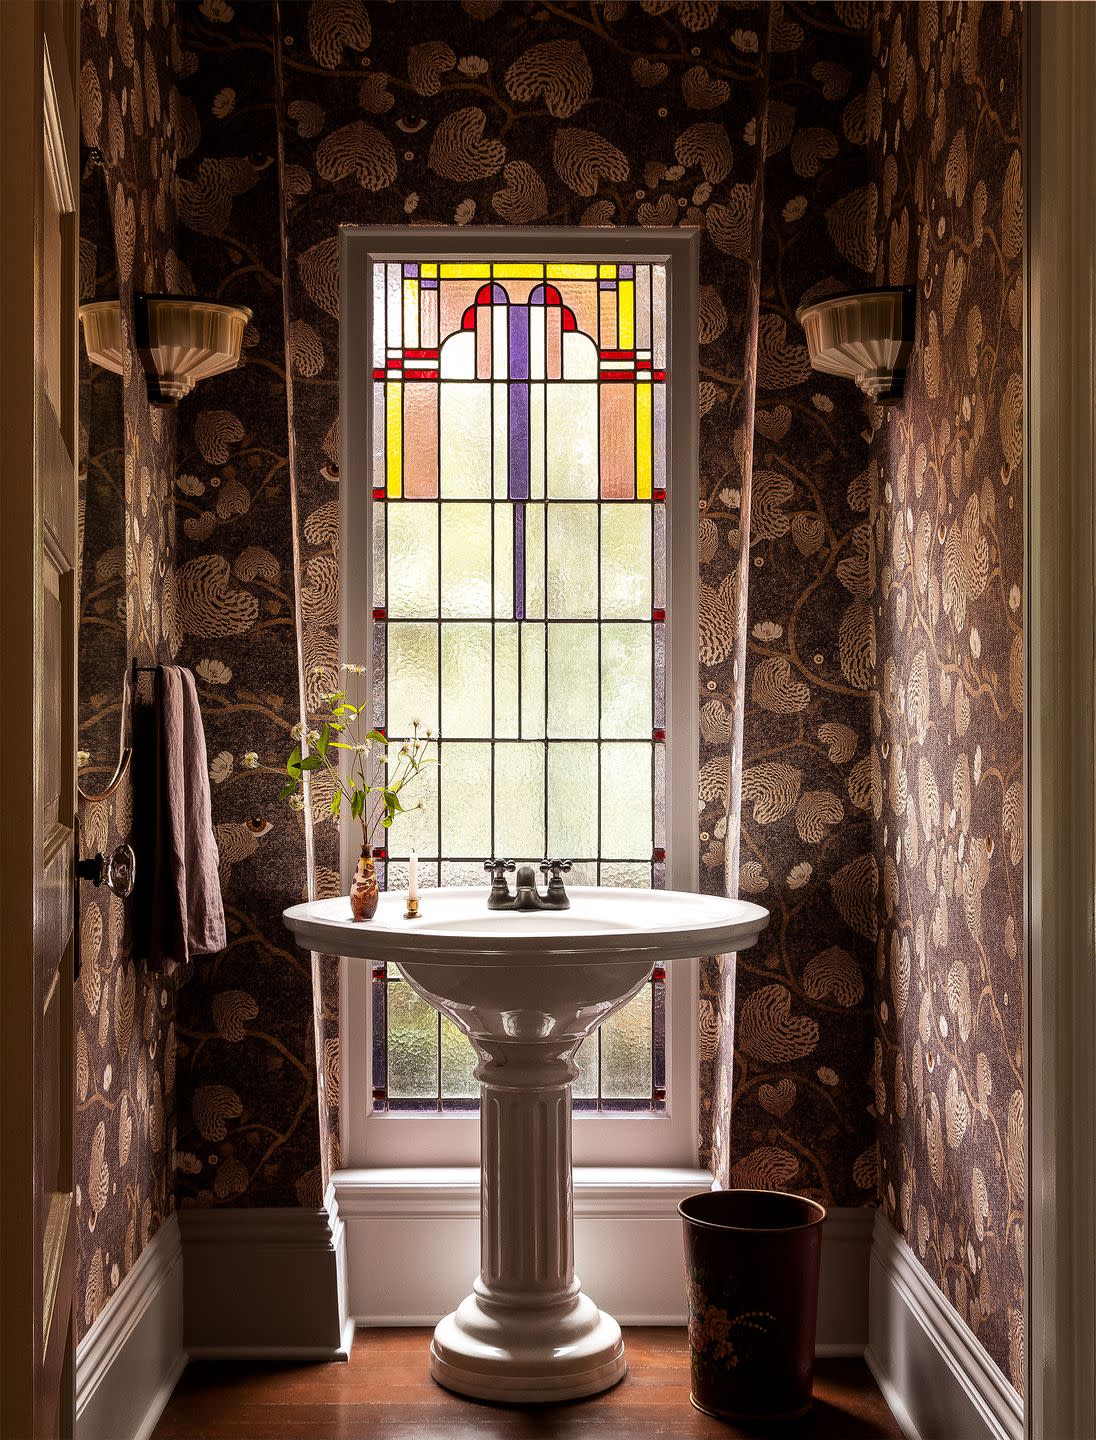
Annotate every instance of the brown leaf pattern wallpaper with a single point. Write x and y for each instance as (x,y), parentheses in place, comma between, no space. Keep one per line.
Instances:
(947,744)
(125,1062)
(854,567)
(799,1114)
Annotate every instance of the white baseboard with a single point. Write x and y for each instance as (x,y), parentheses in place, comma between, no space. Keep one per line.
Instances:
(935,1376)
(130,1360)
(268,1284)
(413,1247)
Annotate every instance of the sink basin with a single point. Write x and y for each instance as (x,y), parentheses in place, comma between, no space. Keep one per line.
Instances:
(527,988)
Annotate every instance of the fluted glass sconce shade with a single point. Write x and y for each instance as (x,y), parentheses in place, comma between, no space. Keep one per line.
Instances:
(179,340)
(867,336)
(102,322)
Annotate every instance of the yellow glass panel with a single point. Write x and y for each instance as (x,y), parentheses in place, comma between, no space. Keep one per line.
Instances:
(561,271)
(429,271)
(411,313)
(643,442)
(393,415)
(626,313)
(607,272)
(461,271)
(519,272)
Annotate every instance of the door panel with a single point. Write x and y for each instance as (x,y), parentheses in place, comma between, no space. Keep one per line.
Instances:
(38,151)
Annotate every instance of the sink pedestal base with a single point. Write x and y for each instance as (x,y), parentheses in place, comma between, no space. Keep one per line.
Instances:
(502,1352)
(527,1332)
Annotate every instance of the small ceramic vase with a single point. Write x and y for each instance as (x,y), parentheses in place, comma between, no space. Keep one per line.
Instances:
(363,891)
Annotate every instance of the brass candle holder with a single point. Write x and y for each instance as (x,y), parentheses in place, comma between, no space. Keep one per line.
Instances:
(412,911)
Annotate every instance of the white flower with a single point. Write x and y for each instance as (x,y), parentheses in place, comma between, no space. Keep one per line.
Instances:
(297,732)
(220,767)
(213,672)
(313,737)
(83,757)
(250,760)
(296,802)
(354,669)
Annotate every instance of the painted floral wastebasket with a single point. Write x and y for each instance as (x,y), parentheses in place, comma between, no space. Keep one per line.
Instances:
(751,1268)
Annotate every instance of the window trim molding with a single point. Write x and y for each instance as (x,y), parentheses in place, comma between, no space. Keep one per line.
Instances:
(672,1138)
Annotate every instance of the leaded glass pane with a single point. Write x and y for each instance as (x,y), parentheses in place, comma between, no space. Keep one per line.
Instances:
(519,539)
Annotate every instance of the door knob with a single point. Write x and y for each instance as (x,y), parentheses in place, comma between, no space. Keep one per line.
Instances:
(117,870)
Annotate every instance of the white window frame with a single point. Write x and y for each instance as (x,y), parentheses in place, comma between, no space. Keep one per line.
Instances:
(371,1139)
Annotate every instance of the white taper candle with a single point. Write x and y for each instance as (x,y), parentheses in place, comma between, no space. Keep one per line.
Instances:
(413,877)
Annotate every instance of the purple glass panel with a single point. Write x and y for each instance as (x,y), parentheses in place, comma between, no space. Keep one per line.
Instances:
(519,403)
(606,284)
(659,708)
(410,270)
(519,342)
(429,284)
(659,789)
(519,562)
(627,272)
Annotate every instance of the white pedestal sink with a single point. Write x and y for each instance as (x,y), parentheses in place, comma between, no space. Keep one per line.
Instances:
(526,988)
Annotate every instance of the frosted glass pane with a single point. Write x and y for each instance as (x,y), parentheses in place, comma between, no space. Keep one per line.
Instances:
(537,405)
(466,440)
(625,801)
(572,799)
(626,561)
(506,681)
(412,560)
(380,457)
(379,307)
(379,527)
(643,307)
(572,680)
(466,560)
(626,875)
(504,562)
(532,681)
(500,430)
(585,1086)
(519,801)
(626,1050)
(466,800)
(415,829)
(464,872)
(412,676)
(465,679)
(572,561)
(572,442)
(458,1061)
(412,1044)
(626,681)
(534,561)
(583,872)
(658,317)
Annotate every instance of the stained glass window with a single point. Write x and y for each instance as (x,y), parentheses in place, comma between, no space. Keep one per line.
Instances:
(519,594)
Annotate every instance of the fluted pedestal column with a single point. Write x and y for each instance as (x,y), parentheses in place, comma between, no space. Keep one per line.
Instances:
(527,1332)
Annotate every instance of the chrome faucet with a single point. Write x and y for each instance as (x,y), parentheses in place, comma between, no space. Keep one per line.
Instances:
(528,897)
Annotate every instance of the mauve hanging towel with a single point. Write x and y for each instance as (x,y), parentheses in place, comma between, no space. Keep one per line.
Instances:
(185,916)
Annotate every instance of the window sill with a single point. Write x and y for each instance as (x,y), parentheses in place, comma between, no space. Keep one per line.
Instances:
(599,1190)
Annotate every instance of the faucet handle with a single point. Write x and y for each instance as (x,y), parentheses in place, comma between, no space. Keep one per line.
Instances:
(555,867)
(498,867)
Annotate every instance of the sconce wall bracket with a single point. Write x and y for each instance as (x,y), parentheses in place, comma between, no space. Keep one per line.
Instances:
(867,336)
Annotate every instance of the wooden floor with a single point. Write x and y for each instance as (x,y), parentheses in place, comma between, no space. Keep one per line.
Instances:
(385,1393)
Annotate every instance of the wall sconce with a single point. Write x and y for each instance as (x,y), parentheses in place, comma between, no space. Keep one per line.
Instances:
(102,322)
(179,340)
(867,336)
